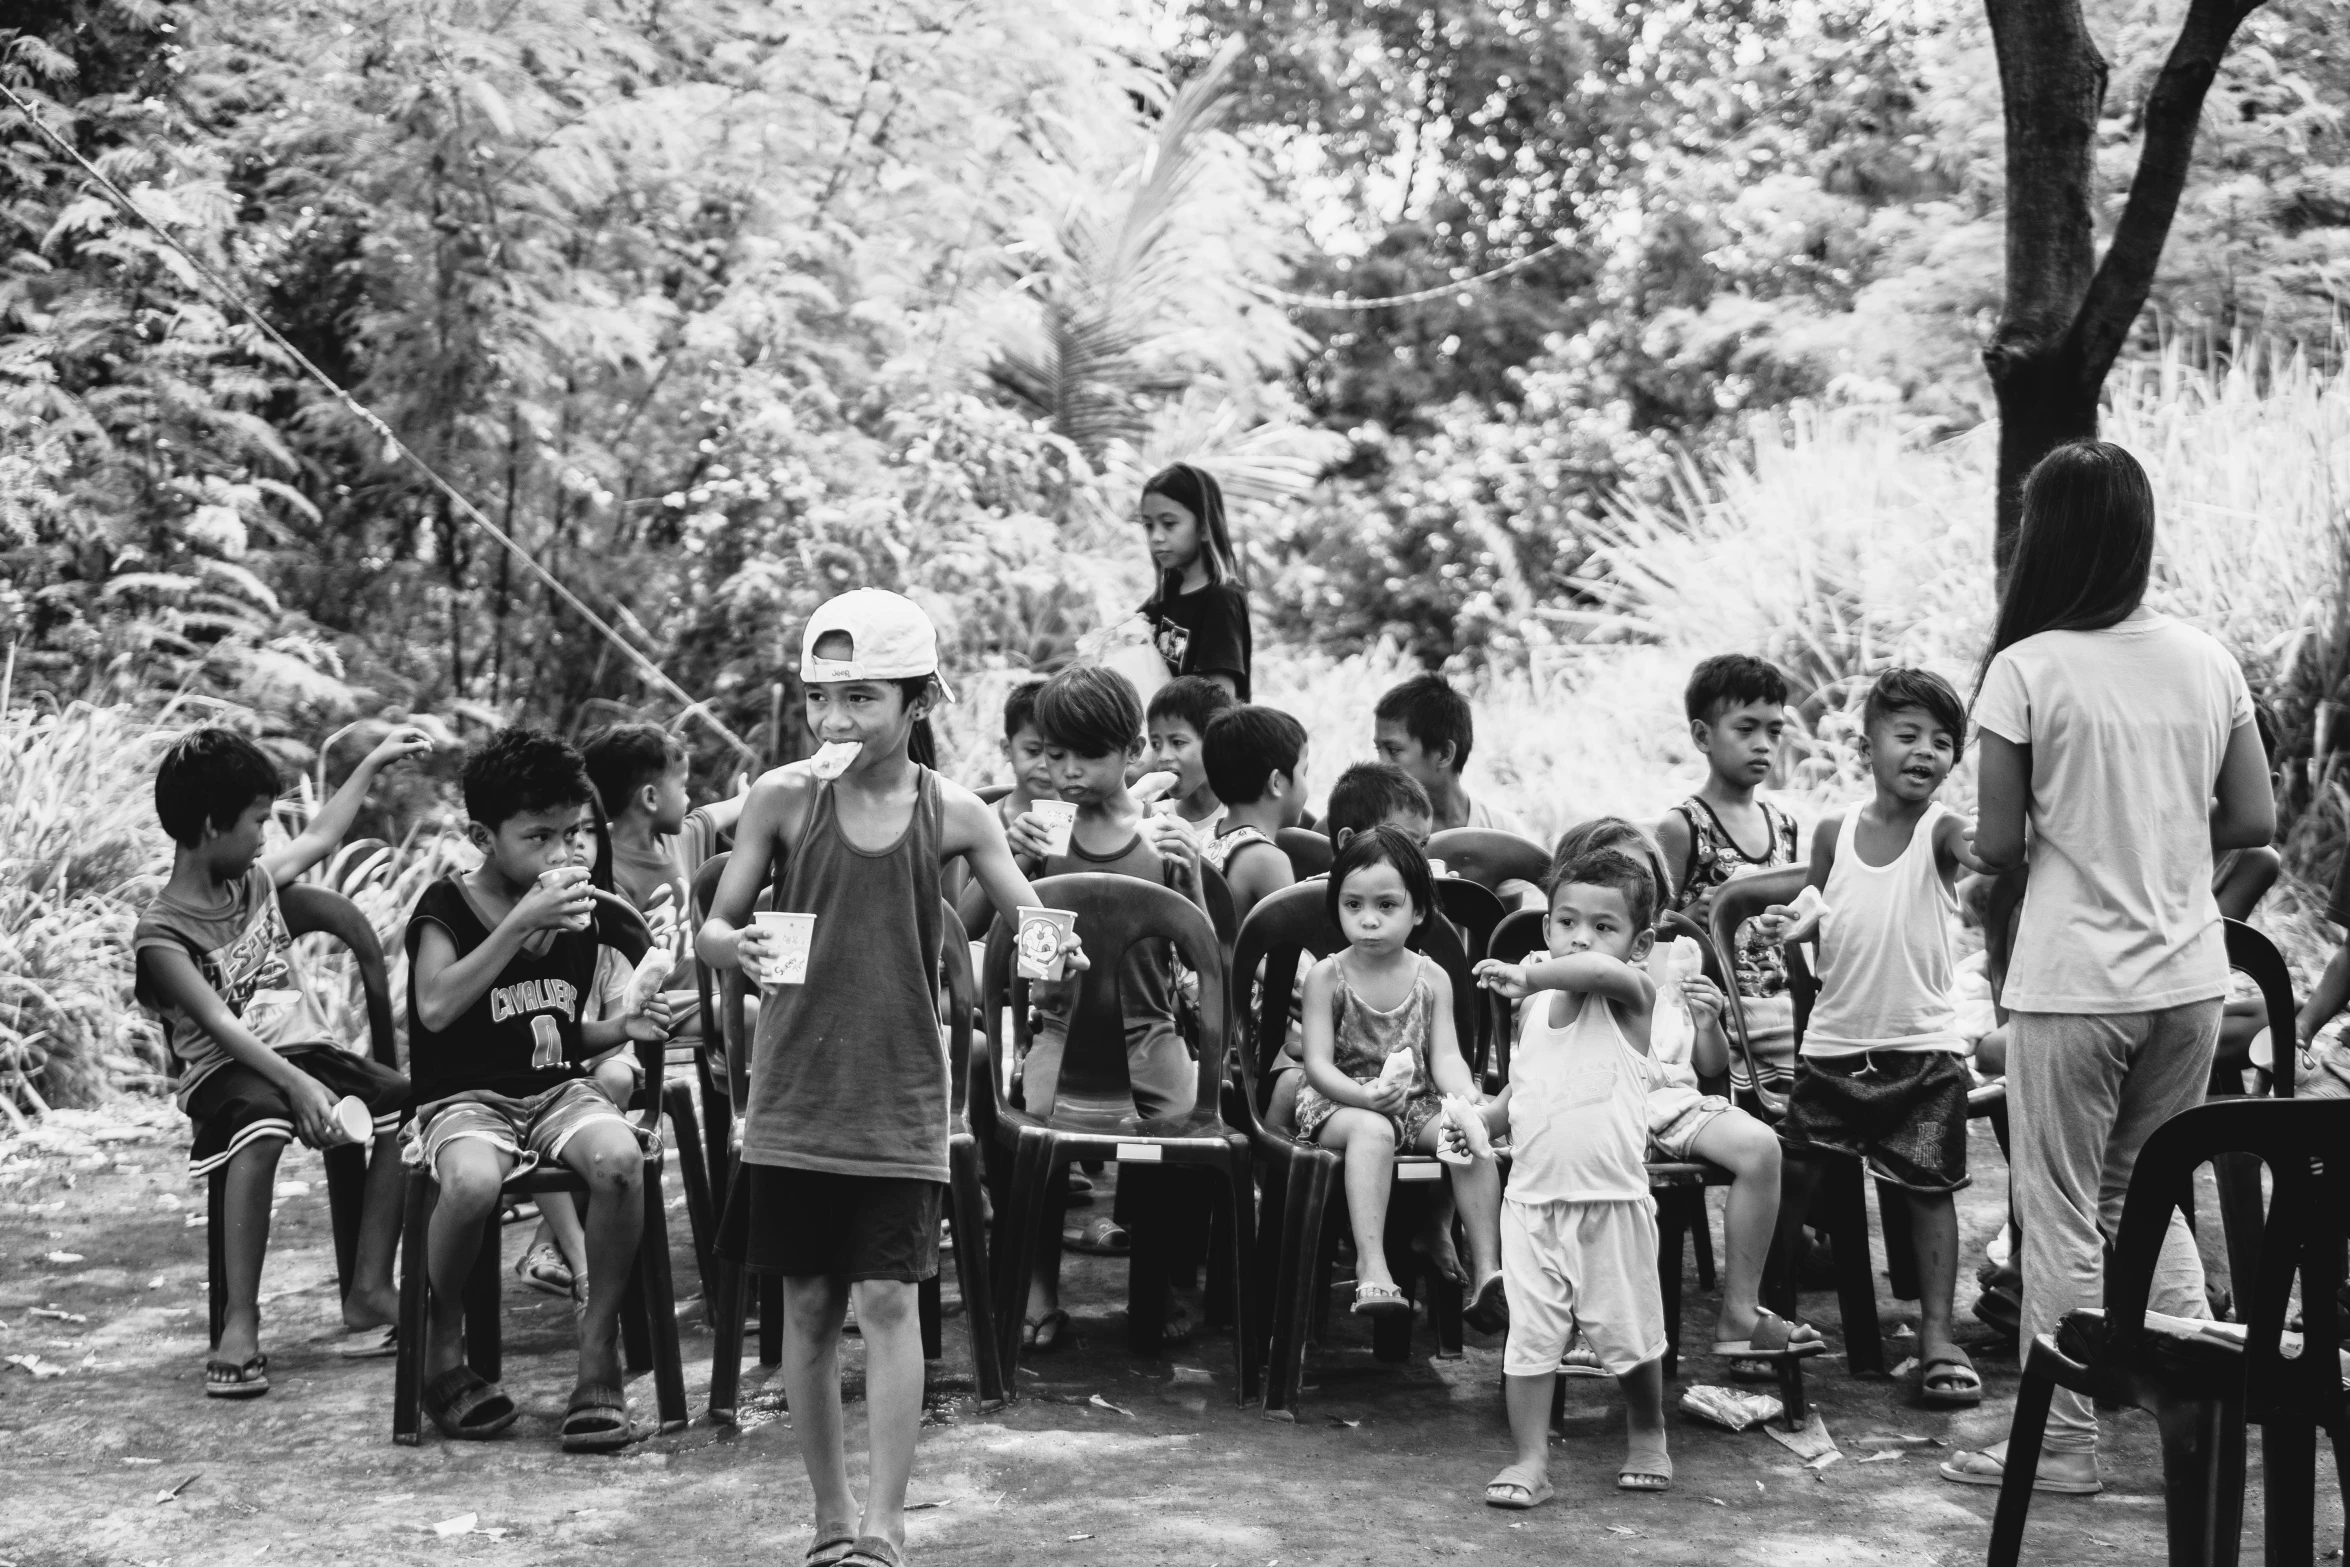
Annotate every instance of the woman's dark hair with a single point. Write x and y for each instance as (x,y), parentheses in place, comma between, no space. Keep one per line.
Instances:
(1196,491)
(2085,549)
(1371,846)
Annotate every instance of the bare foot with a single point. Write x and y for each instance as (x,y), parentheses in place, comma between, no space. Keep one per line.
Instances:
(371,1308)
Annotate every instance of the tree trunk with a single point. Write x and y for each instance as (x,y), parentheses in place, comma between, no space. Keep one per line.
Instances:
(2066,315)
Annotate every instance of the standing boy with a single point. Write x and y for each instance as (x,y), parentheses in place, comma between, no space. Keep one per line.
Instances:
(1177,727)
(1424,727)
(257,1064)
(1256,765)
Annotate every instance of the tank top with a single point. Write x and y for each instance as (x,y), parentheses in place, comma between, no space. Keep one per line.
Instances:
(1218,850)
(1363,1037)
(1578,1107)
(521,1036)
(1714,857)
(1885,969)
(848,1073)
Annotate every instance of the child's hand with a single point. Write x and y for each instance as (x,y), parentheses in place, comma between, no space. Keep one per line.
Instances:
(1173,838)
(1029,836)
(404,740)
(1388,1097)
(566,905)
(1073,956)
(751,943)
(1962,847)
(1507,980)
(1703,998)
(313,1108)
(650,1026)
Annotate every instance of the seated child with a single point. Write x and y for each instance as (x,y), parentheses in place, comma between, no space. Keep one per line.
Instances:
(504,964)
(257,1062)
(1373,1000)
(1881,1077)
(1737,709)
(1686,1123)
(1178,718)
(1256,764)
(1025,750)
(1578,1227)
(1425,727)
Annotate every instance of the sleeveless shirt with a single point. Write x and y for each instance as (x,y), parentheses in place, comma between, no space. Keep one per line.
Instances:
(1885,970)
(1714,857)
(848,1073)
(521,1036)
(1578,1107)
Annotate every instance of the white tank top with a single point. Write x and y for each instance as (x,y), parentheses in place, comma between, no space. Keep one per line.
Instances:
(1578,1107)
(1885,969)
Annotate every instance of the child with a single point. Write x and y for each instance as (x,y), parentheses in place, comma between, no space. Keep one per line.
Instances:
(1373,1000)
(1578,1227)
(1686,1123)
(257,1064)
(1881,1077)
(1378,794)
(504,964)
(845,1141)
(1424,727)
(1737,709)
(1198,611)
(1256,764)
(1178,718)
(1024,749)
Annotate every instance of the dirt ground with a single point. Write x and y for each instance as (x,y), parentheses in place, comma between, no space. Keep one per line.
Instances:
(1104,1458)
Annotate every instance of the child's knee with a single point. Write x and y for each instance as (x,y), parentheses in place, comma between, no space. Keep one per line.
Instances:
(611,1165)
(469,1181)
(886,1303)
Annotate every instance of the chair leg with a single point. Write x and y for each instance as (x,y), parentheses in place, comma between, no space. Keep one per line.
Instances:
(1701,1236)
(1238,1254)
(1856,1285)
(1292,1247)
(732,1298)
(2288,1458)
(484,1332)
(346,1190)
(701,1209)
(1023,1219)
(2194,1460)
(1901,1256)
(1672,1217)
(215,1231)
(2024,1436)
(408,1367)
(636,1332)
(2238,1178)
(930,1313)
(1151,1265)
(659,1295)
(966,1192)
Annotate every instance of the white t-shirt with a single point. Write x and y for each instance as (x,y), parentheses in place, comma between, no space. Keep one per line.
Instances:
(1485,818)
(2127,728)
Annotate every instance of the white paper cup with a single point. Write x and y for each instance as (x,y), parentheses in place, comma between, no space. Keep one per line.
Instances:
(352,1120)
(1437,868)
(790,937)
(1060,819)
(1039,945)
(571,876)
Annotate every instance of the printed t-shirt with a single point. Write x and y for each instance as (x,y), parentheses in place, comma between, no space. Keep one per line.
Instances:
(246,954)
(1204,633)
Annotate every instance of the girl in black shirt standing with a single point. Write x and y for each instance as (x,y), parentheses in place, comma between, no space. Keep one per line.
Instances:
(1199,613)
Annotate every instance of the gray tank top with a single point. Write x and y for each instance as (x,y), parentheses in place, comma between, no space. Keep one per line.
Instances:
(848,1074)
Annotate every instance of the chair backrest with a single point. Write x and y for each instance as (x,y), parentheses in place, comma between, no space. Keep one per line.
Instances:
(2257,959)
(1281,933)
(1113,913)
(1223,913)
(1521,933)
(1310,852)
(1736,901)
(961,995)
(2301,1142)
(312,910)
(1490,857)
(1475,908)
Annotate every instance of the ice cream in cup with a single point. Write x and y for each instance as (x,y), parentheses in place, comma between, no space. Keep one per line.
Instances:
(1060,819)
(789,939)
(1041,935)
(351,1118)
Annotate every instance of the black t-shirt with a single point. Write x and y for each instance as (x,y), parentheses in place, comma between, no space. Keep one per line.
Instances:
(535,1003)
(1204,633)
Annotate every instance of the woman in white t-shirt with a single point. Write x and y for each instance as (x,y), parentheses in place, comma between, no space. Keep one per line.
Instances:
(2124,739)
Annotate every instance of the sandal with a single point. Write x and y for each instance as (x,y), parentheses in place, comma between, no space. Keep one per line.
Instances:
(465,1408)
(2002,1308)
(1488,1311)
(1374,1300)
(544,1270)
(1580,1360)
(873,1550)
(228,1379)
(1099,1236)
(1642,1471)
(370,1343)
(596,1420)
(1517,1488)
(1044,1335)
(829,1551)
(1773,1338)
(1949,1382)
(1983,1469)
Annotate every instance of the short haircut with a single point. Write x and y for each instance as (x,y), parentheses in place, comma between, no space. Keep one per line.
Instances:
(1020,708)
(1610,868)
(518,770)
(1608,832)
(210,777)
(1368,793)
(1089,710)
(1431,712)
(1245,746)
(1194,699)
(1372,846)
(1922,689)
(625,757)
(1732,680)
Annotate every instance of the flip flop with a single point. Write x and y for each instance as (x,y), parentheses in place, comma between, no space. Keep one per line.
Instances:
(1099,1236)
(1580,1360)
(1645,1472)
(544,1270)
(873,1550)
(829,1551)
(1773,1338)
(1982,1469)
(2000,1307)
(229,1379)
(1531,1487)
(1044,1335)
(1961,1384)
(1488,1311)
(371,1343)
(465,1408)
(1372,1300)
(596,1420)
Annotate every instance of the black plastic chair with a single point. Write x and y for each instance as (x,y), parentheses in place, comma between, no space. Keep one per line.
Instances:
(2203,1382)
(648,1311)
(312,910)
(1490,857)
(965,1191)
(1310,852)
(1094,1115)
(724,1076)
(2238,1175)
(1302,1178)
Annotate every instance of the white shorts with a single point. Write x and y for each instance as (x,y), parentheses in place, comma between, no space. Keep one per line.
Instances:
(1593,1263)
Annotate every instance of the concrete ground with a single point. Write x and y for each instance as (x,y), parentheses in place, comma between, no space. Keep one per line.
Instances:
(1104,1458)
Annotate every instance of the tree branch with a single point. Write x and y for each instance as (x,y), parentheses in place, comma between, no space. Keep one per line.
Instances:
(2052,81)
(2174,111)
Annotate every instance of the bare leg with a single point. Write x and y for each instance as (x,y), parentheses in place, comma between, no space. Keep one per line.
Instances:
(561,1227)
(1644,1411)
(1528,1401)
(1367,1140)
(1749,1150)
(605,1155)
(813,1310)
(469,1173)
(1476,1191)
(887,1314)
(249,1181)
(1933,1219)
(373,1300)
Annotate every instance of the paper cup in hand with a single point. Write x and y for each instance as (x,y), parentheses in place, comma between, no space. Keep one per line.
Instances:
(571,876)
(834,757)
(1060,819)
(1437,868)
(1041,931)
(789,938)
(351,1119)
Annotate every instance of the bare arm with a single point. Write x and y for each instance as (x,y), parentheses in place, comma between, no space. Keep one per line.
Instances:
(1257,876)
(774,802)
(1446,1068)
(1672,836)
(2248,881)
(2244,808)
(1321,1049)
(447,984)
(174,979)
(2326,1000)
(2003,800)
(334,818)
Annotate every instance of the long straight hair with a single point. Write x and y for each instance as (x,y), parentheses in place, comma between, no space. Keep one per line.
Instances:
(2085,549)
(1196,491)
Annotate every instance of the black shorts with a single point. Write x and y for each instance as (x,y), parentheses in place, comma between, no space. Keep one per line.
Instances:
(236,1105)
(813,1223)
(1900,1112)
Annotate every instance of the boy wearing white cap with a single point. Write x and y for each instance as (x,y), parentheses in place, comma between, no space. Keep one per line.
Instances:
(845,1140)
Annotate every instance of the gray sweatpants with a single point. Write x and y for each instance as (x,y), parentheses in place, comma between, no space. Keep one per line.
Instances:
(2085,1092)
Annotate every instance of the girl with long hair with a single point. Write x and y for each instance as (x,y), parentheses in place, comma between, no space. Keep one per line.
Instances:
(1198,612)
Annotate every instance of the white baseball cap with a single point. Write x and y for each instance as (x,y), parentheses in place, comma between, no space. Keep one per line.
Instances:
(889,639)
